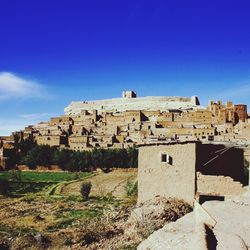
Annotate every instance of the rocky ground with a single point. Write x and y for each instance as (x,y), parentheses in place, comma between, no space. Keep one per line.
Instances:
(231,232)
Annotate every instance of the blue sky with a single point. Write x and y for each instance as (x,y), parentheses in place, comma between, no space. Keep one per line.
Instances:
(56,51)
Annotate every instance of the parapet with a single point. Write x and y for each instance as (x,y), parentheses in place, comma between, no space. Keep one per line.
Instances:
(195,100)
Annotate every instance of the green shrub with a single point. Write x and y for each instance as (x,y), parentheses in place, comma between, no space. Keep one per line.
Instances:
(16,175)
(85,189)
(131,188)
(76,176)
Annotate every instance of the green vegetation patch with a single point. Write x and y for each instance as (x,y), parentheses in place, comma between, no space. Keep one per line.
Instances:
(15,231)
(67,218)
(87,213)
(35,176)
(21,188)
(22,182)
(64,223)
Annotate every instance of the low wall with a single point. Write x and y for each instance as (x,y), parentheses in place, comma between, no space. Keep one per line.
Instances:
(218,185)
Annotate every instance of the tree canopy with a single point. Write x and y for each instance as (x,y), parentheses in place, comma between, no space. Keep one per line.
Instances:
(43,155)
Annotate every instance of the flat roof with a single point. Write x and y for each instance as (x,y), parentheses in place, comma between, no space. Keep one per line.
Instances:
(167,143)
(224,143)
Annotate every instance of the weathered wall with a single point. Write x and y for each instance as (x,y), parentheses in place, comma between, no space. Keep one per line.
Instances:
(241,111)
(218,185)
(111,119)
(53,140)
(160,178)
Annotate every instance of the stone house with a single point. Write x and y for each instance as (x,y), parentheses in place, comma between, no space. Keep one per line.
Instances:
(188,170)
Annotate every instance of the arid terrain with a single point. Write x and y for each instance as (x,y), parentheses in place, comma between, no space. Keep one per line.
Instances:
(57,217)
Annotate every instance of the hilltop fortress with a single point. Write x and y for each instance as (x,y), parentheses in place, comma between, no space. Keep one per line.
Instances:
(131,120)
(130,101)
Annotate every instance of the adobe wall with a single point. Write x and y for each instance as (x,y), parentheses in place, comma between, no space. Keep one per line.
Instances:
(197,116)
(160,178)
(54,140)
(63,120)
(78,139)
(132,116)
(111,119)
(241,111)
(218,185)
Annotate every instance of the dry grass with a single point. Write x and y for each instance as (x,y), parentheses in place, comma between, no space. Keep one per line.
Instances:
(39,221)
(62,221)
(104,184)
(65,219)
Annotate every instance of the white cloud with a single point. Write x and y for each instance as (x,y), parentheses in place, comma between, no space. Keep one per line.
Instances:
(240,91)
(11,125)
(36,116)
(7,126)
(12,85)
(19,122)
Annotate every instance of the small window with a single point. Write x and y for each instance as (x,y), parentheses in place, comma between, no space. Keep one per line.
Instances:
(163,158)
(167,158)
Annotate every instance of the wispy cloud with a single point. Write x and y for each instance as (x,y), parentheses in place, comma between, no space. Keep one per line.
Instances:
(36,116)
(7,126)
(12,85)
(19,122)
(241,92)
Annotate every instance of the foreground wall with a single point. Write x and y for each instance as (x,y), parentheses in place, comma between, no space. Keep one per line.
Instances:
(167,170)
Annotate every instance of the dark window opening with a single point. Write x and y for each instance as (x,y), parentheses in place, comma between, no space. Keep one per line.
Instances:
(204,198)
(167,158)
(163,158)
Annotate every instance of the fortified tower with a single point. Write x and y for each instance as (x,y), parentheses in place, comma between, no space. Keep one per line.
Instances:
(241,111)
(128,94)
